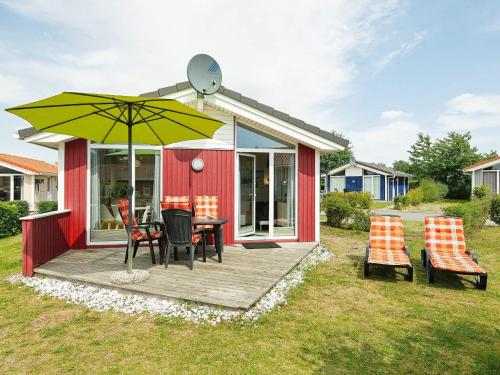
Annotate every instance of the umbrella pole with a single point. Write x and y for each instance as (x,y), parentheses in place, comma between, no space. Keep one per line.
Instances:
(130,190)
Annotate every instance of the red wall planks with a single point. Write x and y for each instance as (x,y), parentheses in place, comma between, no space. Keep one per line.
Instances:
(306,194)
(217,178)
(44,239)
(75,190)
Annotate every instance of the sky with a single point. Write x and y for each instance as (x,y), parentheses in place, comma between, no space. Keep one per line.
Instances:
(378,72)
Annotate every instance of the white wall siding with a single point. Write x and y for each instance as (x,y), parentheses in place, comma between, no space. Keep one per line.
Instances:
(223,138)
(353,171)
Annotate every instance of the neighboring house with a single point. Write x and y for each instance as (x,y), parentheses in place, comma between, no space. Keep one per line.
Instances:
(382,182)
(486,172)
(262,164)
(27,179)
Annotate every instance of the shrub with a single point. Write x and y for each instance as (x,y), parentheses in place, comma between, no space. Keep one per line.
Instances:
(9,220)
(360,199)
(360,220)
(481,191)
(432,191)
(23,207)
(495,209)
(473,213)
(415,196)
(46,206)
(337,209)
(400,202)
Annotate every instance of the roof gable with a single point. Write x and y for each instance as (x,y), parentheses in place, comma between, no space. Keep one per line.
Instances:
(372,167)
(482,164)
(258,106)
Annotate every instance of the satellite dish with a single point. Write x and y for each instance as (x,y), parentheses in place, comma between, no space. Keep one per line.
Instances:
(204,74)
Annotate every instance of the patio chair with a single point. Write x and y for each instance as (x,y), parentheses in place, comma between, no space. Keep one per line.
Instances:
(117,216)
(106,217)
(387,245)
(172,201)
(445,250)
(207,206)
(140,233)
(180,233)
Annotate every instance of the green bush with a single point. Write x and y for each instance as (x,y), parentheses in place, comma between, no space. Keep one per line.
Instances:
(400,202)
(481,191)
(46,206)
(495,209)
(432,191)
(9,220)
(358,199)
(473,214)
(415,196)
(23,207)
(337,209)
(360,220)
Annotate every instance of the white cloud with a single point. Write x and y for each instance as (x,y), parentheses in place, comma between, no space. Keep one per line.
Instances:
(471,112)
(297,58)
(394,115)
(402,50)
(386,142)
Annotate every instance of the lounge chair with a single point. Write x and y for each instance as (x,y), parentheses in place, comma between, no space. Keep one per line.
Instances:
(445,250)
(387,245)
(140,233)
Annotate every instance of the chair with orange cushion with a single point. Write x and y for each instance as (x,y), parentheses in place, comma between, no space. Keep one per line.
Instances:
(387,245)
(445,250)
(207,206)
(180,233)
(140,233)
(172,201)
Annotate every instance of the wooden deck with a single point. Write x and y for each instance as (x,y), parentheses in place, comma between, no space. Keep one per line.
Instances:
(237,283)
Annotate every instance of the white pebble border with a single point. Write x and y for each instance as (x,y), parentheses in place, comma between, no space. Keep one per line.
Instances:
(102,299)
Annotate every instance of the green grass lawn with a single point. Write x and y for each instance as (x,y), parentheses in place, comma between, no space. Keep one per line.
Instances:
(336,322)
(381,204)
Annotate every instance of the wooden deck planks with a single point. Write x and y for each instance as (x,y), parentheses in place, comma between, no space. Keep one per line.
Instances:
(239,282)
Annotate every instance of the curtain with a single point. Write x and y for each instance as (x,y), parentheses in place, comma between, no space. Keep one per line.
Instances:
(337,183)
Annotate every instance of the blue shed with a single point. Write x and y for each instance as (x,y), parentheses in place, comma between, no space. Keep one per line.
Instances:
(384,183)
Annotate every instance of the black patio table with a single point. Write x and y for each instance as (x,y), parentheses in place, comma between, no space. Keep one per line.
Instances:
(216,222)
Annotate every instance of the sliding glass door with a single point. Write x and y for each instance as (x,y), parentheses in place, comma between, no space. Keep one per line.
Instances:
(284,194)
(246,222)
(108,184)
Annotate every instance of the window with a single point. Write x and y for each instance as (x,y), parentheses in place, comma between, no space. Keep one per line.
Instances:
(337,183)
(18,187)
(284,194)
(109,182)
(371,184)
(5,188)
(251,138)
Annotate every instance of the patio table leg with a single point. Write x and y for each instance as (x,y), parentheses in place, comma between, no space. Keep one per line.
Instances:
(219,241)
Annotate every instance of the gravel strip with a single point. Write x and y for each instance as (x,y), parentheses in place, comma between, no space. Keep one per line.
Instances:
(102,299)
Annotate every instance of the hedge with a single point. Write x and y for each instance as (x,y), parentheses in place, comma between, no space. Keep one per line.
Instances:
(9,220)
(432,191)
(347,210)
(46,206)
(495,209)
(473,214)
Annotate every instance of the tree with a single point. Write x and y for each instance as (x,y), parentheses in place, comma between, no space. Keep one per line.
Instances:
(402,165)
(421,156)
(450,156)
(336,159)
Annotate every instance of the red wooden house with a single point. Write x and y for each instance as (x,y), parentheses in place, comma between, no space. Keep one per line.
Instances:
(262,164)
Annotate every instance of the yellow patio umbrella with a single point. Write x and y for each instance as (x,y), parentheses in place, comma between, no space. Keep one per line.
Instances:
(118,119)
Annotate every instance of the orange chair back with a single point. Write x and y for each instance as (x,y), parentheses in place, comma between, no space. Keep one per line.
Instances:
(386,232)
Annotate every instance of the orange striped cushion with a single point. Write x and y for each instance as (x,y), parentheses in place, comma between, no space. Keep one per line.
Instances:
(386,232)
(179,205)
(444,235)
(206,206)
(454,262)
(396,257)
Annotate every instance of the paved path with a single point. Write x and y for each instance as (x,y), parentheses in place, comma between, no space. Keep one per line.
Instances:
(416,216)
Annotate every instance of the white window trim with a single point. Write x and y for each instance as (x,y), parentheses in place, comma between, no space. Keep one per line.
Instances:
(271,153)
(123,147)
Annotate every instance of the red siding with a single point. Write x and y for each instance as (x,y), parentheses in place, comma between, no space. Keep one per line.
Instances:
(44,239)
(75,190)
(217,178)
(306,194)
